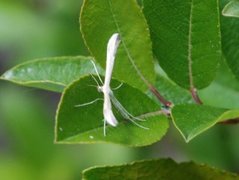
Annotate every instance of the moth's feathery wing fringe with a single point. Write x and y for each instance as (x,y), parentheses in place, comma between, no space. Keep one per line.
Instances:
(124,112)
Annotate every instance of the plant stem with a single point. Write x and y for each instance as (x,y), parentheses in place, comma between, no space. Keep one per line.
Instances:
(165,102)
(195,95)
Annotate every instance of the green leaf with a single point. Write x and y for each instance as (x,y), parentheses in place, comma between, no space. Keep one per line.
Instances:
(50,73)
(85,124)
(192,120)
(223,91)
(231,9)
(172,91)
(230,40)
(157,169)
(134,61)
(186,41)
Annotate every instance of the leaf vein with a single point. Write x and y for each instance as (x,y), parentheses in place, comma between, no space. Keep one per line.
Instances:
(190,48)
(125,47)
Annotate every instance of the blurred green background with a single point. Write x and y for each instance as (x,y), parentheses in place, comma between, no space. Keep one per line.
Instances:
(32,29)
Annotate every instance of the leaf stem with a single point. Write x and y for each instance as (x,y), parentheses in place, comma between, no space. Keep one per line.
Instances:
(165,102)
(195,95)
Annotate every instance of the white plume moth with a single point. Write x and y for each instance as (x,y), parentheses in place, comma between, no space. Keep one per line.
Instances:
(109,97)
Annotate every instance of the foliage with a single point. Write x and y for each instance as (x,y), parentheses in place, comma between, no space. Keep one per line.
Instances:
(184,51)
(157,169)
(230,40)
(173,32)
(90,129)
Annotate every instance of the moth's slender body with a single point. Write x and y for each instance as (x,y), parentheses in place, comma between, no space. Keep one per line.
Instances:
(111,52)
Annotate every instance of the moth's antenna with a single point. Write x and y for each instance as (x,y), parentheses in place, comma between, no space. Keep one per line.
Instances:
(95,80)
(97,73)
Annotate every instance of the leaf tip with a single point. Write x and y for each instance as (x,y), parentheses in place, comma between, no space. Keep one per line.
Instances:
(231,9)
(188,139)
(7,75)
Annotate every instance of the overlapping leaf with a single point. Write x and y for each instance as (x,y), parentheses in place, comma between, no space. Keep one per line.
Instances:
(158,169)
(186,39)
(172,91)
(223,91)
(230,40)
(100,19)
(50,73)
(192,120)
(85,124)
(56,73)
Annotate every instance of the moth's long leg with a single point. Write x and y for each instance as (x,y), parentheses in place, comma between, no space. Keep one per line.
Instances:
(104,127)
(97,72)
(93,77)
(124,112)
(119,86)
(88,103)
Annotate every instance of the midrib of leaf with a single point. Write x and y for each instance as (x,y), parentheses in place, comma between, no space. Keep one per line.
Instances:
(125,47)
(145,115)
(190,48)
(36,81)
